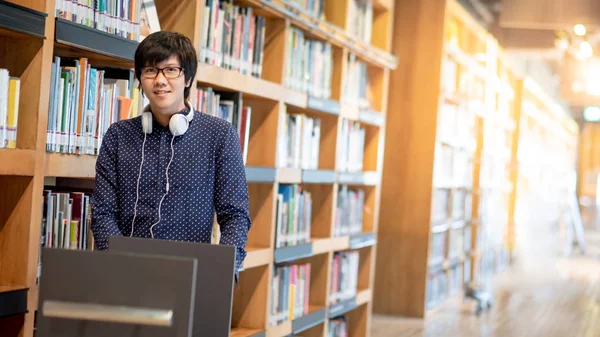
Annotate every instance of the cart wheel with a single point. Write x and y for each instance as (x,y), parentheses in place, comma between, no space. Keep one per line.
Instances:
(478,310)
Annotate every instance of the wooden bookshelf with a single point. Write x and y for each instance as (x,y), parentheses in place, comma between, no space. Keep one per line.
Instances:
(17,162)
(588,164)
(450,184)
(30,168)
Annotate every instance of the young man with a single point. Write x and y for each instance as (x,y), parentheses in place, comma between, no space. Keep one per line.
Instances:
(163,175)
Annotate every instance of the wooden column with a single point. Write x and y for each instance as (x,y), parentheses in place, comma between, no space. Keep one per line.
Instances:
(403,236)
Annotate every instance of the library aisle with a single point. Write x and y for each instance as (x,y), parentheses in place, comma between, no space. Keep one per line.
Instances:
(552,296)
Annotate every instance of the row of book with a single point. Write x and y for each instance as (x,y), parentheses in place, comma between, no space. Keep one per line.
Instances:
(440,205)
(344,276)
(442,284)
(437,248)
(493,215)
(294,216)
(448,205)
(461,205)
(495,169)
(455,146)
(228,106)
(450,244)
(66,222)
(490,262)
(449,76)
(118,17)
(496,154)
(10,91)
(290,289)
(315,7)
(456,125)
(84,102)
(349,211)
(232,37)
(300,140)
(356,83)
(459,242)
(461,81)
(309,66)
(294,212)
(452,167)
(360,16)
(351,146)
(338,327)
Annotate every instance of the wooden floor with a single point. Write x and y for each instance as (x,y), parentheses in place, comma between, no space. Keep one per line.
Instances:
(539,297)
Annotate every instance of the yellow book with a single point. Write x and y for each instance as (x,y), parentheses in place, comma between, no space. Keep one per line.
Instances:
(292,300)
(73,234)
(14,90)
(135,98)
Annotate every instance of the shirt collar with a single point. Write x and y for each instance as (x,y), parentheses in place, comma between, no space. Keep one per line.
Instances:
(184,111)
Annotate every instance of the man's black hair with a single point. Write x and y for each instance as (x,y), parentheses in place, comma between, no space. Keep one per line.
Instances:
(161,45)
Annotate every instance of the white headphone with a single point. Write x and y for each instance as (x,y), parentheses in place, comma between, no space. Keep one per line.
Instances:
(178,124)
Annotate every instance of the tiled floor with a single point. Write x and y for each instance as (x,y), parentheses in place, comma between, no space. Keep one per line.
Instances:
(541,296)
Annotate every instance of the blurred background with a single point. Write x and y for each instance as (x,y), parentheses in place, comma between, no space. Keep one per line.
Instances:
(520,82)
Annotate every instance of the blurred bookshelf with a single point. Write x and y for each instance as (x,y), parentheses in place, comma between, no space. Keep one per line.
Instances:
(454,197)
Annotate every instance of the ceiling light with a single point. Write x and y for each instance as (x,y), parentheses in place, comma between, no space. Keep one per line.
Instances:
(579,30)
(585,49)
(561,43)
(592,114)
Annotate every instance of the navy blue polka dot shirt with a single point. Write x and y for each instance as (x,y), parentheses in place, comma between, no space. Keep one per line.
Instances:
(206,177)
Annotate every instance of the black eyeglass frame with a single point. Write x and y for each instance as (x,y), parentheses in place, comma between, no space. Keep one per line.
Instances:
(161,70)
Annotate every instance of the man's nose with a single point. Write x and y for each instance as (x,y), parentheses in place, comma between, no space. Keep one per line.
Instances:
(160,78)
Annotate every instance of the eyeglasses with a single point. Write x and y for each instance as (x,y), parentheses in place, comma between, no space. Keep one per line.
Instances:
(169,72)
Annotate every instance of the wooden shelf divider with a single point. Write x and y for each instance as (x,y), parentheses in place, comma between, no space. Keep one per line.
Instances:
(17,162)
(70,166)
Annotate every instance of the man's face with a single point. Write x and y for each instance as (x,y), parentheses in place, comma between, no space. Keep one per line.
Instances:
(164,89)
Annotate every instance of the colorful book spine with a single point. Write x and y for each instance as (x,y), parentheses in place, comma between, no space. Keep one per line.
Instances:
(232,37)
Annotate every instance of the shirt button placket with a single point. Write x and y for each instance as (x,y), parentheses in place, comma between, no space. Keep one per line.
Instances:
(164,154)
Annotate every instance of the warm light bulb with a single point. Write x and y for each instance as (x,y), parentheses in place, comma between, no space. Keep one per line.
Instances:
(591,113)
(562,44)
(585,49)
(579,30)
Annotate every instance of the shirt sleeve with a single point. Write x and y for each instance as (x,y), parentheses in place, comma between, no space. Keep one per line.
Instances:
(231,195)
(104,198)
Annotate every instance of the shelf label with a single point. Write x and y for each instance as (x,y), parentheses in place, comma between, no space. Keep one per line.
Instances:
(362,240)
(323,105)
(350,178)
(308,321)
(318,176)
(371,117)
(342,307)
(260,174)
(293,253)
(370,178)
(290,175)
